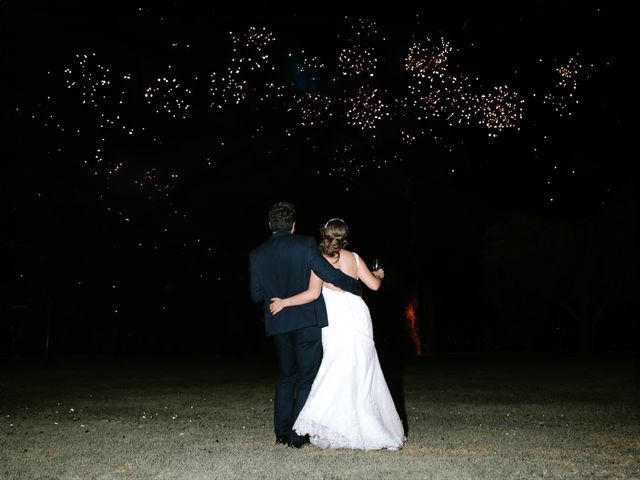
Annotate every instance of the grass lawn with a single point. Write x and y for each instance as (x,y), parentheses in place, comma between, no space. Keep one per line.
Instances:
(469,416)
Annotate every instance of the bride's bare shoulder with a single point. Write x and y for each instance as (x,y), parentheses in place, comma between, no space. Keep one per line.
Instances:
(349,254)
(346,254)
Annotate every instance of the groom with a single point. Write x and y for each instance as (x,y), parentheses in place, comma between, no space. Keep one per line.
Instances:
(280,267)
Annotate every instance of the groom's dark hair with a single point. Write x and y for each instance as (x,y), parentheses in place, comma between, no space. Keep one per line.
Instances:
(282,215)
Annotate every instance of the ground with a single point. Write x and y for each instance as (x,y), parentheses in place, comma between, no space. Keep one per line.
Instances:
(468,416)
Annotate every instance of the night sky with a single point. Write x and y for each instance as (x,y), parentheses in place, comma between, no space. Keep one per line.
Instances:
(484,153)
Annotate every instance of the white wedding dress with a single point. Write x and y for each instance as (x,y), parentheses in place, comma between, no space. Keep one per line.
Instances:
(350,405)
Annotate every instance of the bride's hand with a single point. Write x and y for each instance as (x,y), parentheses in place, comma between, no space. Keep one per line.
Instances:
(276,305)
(378,273)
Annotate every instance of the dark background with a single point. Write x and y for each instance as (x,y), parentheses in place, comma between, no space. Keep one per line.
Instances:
(526,241)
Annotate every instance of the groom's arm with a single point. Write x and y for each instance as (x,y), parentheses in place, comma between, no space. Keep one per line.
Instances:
(323,269)
(255,286)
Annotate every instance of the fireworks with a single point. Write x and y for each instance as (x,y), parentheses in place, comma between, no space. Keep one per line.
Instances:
(347,163)
(437,92)
(563,93)
(312,108)
(90,78)
(249,56)
(359,57)
(208,122)
(152,182)
(366,109)
(428,61)
(340,90)
(169,96)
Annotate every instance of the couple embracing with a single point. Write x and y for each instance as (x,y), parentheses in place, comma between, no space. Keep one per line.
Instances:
(331,391)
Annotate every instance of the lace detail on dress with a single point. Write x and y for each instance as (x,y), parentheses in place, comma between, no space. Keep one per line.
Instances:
(327,438)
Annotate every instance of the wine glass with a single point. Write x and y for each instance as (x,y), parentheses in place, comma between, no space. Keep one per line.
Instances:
(376,264)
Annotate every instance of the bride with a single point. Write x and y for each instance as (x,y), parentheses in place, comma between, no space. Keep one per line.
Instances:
(349,405)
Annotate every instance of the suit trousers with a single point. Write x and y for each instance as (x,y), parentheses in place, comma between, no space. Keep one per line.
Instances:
(299,356)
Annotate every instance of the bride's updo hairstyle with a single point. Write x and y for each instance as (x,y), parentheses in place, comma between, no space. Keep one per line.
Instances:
(333,237)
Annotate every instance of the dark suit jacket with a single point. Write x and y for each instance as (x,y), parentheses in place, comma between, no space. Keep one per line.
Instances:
(281,267)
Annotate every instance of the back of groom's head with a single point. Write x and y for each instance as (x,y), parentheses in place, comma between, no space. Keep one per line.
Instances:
(282,216)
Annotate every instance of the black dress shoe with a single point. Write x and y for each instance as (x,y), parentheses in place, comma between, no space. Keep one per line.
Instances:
(283,439)
(299,443)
